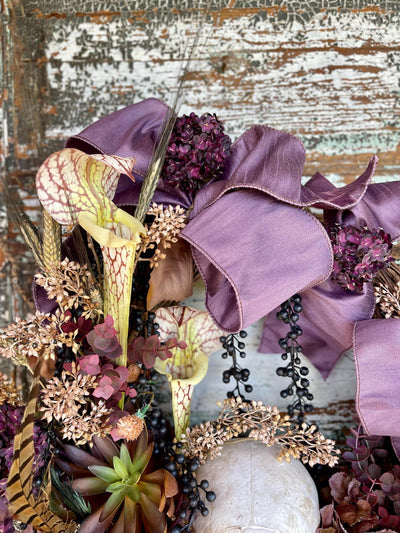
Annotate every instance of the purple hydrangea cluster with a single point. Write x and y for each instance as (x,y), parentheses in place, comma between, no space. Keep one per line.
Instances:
(359,254)
(196,152)
(6,522)
(10,420)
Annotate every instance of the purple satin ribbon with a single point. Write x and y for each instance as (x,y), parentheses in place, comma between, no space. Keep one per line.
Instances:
(377,359)
(251,238)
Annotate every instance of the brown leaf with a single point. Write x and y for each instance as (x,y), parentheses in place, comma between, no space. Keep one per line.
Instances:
(347,513)
(327,515)
(363,509)
(172,280)
(366,525)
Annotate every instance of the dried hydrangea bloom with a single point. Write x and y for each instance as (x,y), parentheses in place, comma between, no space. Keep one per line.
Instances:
(359,254)
(196,152)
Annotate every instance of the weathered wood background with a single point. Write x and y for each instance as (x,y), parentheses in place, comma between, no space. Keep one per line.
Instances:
(325,70)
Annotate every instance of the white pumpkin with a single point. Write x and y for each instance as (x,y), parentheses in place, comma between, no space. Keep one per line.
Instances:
(257,493)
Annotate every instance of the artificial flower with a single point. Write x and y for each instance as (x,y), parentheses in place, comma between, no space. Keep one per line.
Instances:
(196,152)
(188,366)
(77,188)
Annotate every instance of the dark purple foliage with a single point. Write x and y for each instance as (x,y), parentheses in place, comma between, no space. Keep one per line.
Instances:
(196,152)
(10,420)
(359,254)
(6,523)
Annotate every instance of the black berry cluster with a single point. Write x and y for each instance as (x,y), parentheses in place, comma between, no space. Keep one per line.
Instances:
(234,346)
(172,459)
(64,354)
(184,469)
(290,314)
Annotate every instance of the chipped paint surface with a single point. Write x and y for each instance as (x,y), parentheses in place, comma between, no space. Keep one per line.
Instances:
(325,70)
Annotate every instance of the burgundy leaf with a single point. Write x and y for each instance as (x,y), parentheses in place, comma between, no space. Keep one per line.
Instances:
(90,364)
(374,471)
(148,359)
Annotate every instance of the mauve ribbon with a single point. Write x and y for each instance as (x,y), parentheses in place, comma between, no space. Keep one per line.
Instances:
(131,131)
(254,252)
(329,311)
(252,240)
(377,359)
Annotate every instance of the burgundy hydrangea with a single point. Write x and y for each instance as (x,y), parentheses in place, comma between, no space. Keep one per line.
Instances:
(196,152)
(6,522)
(10,420)
(359,254)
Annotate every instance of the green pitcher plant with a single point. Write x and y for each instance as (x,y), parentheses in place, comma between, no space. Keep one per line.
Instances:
(77,188)
(187,367)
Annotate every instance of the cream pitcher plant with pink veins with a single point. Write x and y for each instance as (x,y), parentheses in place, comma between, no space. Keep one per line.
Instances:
(76,188)
(187,367)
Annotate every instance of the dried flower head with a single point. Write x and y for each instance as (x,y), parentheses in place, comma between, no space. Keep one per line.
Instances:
(130,427)
(196,152)
(359,254)
(387,292)
(259,422)
(163,231)
(73,286)
(25,340)
(67,401)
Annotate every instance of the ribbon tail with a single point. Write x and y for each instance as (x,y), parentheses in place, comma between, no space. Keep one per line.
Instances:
(377,360)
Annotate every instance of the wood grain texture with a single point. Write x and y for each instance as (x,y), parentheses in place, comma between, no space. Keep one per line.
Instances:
(327,71)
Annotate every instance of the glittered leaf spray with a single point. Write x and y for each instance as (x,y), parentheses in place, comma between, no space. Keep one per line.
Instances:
(187,367)
(77,188)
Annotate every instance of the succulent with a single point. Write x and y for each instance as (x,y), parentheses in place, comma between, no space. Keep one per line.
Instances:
(359,254)
(121,487)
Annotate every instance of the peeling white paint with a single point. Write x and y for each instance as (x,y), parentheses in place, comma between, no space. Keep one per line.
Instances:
(303,80)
